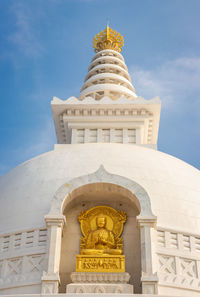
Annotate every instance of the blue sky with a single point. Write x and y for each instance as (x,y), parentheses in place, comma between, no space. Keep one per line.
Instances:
(46,48)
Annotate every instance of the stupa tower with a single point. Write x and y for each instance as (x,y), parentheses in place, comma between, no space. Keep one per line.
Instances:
(107,108)
(108,74)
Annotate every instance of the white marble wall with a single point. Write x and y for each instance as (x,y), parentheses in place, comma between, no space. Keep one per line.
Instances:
(22,260)
(178,263)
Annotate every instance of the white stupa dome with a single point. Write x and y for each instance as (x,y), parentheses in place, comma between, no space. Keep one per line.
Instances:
(173,185)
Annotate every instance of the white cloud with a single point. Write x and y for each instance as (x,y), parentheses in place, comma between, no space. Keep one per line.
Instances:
(176,82)
(24,37)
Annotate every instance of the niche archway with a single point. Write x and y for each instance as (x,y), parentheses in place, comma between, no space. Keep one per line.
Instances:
(86,197)
(72,193)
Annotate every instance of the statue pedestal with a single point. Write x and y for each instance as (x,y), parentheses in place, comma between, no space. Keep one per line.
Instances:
(99,282)
(100,263)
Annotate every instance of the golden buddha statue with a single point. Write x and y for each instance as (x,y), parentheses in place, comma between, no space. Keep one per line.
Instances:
(101,248)
(101,241)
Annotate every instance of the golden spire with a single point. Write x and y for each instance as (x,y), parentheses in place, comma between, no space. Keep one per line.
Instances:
(108,39)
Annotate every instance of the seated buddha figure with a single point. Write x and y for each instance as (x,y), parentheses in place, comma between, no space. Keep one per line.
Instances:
(101,241)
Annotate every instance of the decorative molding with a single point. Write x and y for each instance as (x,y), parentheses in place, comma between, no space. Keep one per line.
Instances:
(19,271)
(92,277)
(98,117)
(105,100)
(105,135)
(23,243)
(99,288)
(102,111)
(173,241)
(99,114)
(55,220)
(178,259)
(23,258)
(147,221)
(179,272)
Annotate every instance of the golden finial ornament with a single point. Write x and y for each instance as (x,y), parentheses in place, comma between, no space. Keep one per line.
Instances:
(108,39)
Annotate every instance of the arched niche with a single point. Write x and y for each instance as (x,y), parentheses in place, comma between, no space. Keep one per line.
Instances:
(86,197)
(87,191)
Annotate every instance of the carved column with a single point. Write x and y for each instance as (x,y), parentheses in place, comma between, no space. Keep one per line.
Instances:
(50,278)
(148,278)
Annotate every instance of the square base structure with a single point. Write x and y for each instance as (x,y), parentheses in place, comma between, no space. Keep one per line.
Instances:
(91,282)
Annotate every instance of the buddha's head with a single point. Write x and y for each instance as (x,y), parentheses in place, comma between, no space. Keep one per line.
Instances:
(101,221)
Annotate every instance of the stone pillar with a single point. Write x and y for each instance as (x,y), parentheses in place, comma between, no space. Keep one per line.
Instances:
(73,137)
(148,278)
(138,136)
(125,135)
(50,278)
